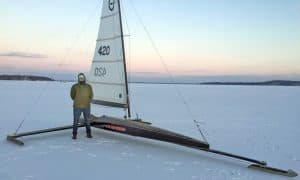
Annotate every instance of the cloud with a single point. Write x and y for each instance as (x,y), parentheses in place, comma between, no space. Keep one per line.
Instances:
(23,55)
(7,67)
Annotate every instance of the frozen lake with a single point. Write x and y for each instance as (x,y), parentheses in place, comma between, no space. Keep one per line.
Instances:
(259,122)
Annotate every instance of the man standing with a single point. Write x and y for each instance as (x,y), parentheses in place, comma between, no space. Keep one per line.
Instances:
(82,95)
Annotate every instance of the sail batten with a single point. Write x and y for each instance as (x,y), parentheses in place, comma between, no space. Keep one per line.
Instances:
(114,84)
(110,38)
(108,103)
(108,61)
(114,14)
(108,74)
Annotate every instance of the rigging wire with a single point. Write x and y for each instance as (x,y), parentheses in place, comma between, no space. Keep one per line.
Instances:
(61,63)
(171,77)
(129,58)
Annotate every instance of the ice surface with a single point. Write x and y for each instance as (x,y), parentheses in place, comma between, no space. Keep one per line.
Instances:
(260,122)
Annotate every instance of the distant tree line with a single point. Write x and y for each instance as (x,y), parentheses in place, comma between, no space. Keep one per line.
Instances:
(25,78)
(265,83)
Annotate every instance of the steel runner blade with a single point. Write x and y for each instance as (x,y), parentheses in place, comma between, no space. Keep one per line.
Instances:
(289,173)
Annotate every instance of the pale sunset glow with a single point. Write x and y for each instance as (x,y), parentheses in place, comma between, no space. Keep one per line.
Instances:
(196,37)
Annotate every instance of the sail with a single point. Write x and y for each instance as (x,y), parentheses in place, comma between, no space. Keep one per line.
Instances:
(108,72)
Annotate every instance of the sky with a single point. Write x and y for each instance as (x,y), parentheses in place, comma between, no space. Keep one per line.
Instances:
(215,38)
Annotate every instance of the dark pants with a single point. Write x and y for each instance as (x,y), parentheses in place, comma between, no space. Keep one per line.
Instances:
(86,114)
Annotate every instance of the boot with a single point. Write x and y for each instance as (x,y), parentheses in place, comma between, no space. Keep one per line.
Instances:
(89,136)
(88,133)
(74,136)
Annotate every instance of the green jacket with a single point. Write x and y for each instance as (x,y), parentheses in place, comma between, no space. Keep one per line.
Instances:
(82,95)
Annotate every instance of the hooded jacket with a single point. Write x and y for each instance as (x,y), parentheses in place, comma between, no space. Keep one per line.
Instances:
(81,94)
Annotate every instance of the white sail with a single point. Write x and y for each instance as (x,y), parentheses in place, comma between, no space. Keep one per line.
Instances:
(107,74)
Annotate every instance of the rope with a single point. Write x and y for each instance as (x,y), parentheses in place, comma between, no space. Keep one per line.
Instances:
(197,123)
(61,63)
(171,77)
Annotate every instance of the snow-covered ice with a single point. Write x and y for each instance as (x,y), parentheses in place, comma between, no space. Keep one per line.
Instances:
(259,122)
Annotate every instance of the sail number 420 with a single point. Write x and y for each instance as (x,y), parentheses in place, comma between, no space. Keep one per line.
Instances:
(104,50)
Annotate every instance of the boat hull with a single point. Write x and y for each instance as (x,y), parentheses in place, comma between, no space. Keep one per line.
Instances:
(145,130)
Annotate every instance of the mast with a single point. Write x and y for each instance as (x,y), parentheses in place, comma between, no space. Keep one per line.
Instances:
(124,59)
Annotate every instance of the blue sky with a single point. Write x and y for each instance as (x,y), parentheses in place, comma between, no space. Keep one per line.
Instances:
(196,37)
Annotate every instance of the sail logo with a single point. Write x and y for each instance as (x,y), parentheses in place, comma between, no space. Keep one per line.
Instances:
(100,72)
(115,128)
(111,5)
